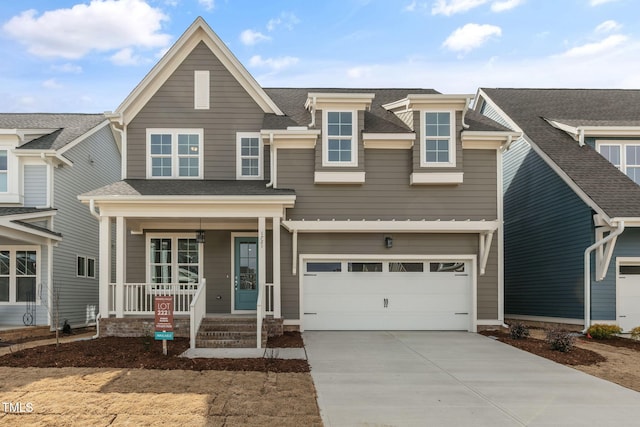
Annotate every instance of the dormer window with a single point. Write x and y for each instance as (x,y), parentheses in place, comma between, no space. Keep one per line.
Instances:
(438,144)
(174,153)
(339,148)
(623,155)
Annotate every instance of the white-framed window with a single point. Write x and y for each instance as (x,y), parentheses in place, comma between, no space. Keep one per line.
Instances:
(625,155)
(4,171)
(339,146)
(437,146)
(249,151)
(19,274)
(174,153)
(173,258)
(86,267)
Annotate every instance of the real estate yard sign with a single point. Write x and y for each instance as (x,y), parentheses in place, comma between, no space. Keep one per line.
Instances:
(164,320)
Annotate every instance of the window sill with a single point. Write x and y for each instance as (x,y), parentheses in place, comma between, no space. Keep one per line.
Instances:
(436,178)
(9,198)
(338,177)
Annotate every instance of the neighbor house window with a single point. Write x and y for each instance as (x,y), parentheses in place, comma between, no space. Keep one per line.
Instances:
(438,144)
(623,155)
(86,267)
(91,268)
(18,274)
(249,156)
(4,171)
(339,148)
(175,153)
(174,260)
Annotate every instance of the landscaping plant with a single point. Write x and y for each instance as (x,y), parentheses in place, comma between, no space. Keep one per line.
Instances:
(519,331)
(601,331)
(635,333)
(560,340)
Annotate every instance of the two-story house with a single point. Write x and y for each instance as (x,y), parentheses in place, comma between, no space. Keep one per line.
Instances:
(571,204)
(48,244)
(329,209)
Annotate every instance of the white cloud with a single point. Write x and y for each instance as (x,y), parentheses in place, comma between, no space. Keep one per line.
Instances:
(360,72)
(126,57)
(451,7)
(471,36)
(207,4)
(608,26)
(504,5)
(98,26)
(250,37)
(51,84)
(67,68)
(596,48)
(285,19)
(599,2)
(275,64)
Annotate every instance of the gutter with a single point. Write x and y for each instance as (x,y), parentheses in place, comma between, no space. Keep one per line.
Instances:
(464,112)
(92,209)
(587,271)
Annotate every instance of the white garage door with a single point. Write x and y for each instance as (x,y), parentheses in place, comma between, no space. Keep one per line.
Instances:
(387,295)
(629,297)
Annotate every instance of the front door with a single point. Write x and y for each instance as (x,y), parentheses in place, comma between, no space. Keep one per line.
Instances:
(246,273)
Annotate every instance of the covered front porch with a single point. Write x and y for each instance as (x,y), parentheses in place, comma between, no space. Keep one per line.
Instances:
(217,255)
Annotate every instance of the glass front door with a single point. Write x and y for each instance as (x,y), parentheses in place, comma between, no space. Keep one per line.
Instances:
(246,273)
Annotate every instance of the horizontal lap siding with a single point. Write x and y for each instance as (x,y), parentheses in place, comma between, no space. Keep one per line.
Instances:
(547,229)
(386,194)
(172,106)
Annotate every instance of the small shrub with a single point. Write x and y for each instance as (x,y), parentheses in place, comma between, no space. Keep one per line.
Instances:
(635,333)
(147,340)
(560,340)
(519,331)
(601,331)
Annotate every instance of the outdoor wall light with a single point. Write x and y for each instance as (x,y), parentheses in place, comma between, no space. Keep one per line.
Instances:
(199,236)
(388,242)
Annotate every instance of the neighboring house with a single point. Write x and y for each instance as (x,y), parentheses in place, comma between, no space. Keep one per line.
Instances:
(48,240)
(326,208)
(571,204)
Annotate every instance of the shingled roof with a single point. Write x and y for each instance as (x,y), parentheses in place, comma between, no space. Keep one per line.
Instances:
(611,190)
(67,127)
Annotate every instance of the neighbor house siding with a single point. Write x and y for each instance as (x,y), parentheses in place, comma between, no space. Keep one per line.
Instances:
(489,111)
(96,162)
(386,194)
(35,185)
(372,243)
(231,110)
(547,228)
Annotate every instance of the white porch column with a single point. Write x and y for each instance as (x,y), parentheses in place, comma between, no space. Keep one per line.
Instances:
(277,310)
(262,256)
(104,266)
(121,231)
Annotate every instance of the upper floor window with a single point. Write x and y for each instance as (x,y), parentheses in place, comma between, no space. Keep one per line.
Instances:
(4,171)
(174,153)
(623,155)
(339,148)
(249,156)
(438,144)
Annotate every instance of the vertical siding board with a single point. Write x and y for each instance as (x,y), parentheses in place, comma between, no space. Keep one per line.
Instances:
(547,228)
(96,162)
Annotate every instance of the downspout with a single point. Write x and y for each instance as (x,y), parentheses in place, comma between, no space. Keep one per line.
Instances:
(272,151)
(92,209)
(464,113)
(580,137)
(587,271)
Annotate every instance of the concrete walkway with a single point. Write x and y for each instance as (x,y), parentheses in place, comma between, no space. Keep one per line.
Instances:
(454,379)
(30,344)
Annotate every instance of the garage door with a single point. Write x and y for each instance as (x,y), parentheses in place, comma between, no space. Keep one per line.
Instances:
(629,297)
(387,295)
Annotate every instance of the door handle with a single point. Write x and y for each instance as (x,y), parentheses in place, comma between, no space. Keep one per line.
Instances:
(235,282)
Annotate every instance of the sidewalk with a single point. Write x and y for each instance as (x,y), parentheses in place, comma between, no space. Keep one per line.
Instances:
(48,341)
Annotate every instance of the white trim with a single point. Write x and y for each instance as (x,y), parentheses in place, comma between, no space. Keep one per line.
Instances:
(94,267)
(622,145)
(249,135)
(194,209)
(84,265)
(201,89)
(419,178)
(500,203)
(579,132)
(331,100)
(174,253)
(547,319)
(482,96)
(391,226)
(290,138)
(22,232)
(621,261)
(13,282)
(175,156)
(233,270)
(487,140)
(452,139)
(414,101)
(353,137)
(489,322)
(473,273)
(356,177)
(388,141)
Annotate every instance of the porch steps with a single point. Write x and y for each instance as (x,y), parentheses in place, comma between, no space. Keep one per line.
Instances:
(229,332)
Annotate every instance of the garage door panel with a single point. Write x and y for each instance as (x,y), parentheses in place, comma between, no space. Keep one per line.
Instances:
(629,294)
(367,321)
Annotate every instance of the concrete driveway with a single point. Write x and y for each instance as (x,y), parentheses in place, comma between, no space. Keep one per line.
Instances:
(454,379)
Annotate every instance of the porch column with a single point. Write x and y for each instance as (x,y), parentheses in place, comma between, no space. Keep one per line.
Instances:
(277,312)
(104,266)
(121,231)
(262,258)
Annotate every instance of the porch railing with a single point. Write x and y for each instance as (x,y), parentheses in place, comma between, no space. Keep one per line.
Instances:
(138,298)
(197,311)
(269,299)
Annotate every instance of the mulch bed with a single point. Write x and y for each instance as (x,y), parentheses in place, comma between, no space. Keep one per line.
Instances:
(132,353)
(577,356)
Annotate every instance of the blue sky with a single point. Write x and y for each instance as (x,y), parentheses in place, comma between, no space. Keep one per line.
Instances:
(86,56)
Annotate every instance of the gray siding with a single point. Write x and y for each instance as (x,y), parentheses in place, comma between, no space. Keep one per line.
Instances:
(96,162)
(232,110)
(403,244)
(547,228)
(386,194)
(490,112)
(35,185)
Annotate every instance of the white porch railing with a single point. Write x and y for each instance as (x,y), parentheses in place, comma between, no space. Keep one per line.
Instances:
(269,299)
(138,298)
(197,311)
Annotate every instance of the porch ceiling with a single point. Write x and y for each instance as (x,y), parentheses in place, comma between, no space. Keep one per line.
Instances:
(139,225)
